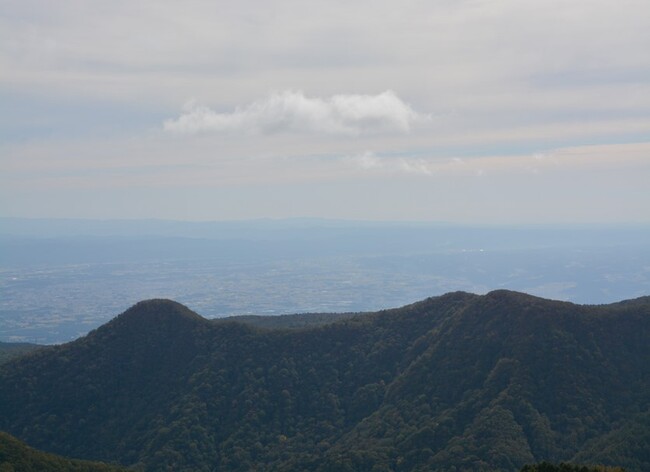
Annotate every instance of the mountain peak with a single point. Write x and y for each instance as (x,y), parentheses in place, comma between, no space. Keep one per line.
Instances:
(155,315)
(159,308)
(469,381)
(512,296)
(505,293)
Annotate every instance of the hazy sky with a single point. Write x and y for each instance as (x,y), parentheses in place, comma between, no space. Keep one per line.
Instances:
(469,111)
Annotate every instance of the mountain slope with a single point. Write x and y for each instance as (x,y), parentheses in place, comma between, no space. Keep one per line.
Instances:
(514,379)
(472,382)
(16,456)
(10,350)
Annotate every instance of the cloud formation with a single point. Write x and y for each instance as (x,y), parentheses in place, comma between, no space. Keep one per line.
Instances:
(80,99)
(292,111)
(582,159)
(370,161)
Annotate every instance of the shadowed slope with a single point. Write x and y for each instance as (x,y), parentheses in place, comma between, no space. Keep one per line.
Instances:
(9,351)
(16,456)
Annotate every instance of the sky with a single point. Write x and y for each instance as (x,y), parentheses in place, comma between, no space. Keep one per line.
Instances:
(499,111)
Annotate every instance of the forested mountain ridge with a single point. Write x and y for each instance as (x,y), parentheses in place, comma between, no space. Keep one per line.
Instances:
(10,350)
(15,456)
(457,382)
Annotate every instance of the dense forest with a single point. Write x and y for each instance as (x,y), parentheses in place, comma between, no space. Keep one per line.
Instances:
(458,382)
(15,456)
(547,467)
(10,350)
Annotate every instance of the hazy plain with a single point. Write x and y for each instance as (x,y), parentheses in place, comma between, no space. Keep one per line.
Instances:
(61,278)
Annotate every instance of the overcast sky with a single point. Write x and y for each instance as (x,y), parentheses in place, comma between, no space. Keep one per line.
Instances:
(498,111)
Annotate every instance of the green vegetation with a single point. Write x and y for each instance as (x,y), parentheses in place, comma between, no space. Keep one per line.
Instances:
(302,320)
(9,351)
(454,383)
(15,456)
(546,467)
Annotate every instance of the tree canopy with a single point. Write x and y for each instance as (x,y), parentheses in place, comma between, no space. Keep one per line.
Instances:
(457,382)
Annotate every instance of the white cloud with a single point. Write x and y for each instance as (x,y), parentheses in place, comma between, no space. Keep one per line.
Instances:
(368,161)
(501,77)
(292,111)
(402,165)
(568,159)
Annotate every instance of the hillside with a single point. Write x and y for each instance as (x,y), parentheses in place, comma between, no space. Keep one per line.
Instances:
(10,350)
(18,457)
(457,382)
(296,321)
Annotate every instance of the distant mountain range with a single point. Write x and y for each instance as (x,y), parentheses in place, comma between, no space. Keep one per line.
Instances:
(451,383)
